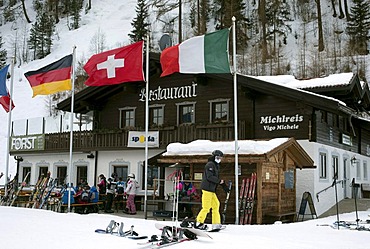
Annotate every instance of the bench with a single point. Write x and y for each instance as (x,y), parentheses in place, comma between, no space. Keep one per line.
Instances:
(285,217)
(83,208)
(120,203)
(365,190)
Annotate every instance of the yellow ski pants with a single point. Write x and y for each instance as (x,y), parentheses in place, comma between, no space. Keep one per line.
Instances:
(209,200)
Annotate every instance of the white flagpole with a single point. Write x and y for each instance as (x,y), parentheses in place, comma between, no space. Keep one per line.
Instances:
(236,126)
(146,126)
(9,124)
(71,130)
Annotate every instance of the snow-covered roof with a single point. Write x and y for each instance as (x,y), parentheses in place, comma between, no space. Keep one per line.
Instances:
(205,147)
(290,81)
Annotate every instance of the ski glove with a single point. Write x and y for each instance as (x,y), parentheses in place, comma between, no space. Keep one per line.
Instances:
(224,187)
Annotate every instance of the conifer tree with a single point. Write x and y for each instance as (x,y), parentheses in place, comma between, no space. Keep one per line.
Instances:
(40,36)
(140,23)
(76,7)
(3,53)
(359,26)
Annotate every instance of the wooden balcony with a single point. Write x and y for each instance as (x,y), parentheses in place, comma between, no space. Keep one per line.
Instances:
(117,140)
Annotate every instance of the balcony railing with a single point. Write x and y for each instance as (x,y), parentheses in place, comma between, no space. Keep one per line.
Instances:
(108,140)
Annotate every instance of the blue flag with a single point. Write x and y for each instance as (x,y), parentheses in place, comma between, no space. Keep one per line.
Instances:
(3,73)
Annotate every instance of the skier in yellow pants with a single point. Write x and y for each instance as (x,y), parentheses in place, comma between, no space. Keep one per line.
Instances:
(210,181)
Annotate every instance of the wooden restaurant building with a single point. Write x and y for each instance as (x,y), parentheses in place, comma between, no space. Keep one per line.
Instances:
(326,128)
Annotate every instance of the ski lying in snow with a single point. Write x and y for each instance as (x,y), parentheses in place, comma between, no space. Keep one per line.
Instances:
(115,228)
(350,225)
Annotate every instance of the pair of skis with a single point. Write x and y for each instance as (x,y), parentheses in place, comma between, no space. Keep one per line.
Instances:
(19,190)
(246,199)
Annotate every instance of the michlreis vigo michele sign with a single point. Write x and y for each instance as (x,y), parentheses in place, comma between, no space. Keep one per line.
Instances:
(280,122)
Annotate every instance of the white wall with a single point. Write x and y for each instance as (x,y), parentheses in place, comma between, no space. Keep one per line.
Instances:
(308,179)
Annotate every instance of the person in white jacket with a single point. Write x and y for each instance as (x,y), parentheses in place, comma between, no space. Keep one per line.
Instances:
(132,185)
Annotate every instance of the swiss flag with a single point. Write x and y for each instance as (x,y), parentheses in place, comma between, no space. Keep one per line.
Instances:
(5,102)
(116,66)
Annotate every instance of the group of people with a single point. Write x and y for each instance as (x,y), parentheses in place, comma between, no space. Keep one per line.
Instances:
(114,187)
(210,180)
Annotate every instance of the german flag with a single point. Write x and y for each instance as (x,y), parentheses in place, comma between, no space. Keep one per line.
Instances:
(52,78)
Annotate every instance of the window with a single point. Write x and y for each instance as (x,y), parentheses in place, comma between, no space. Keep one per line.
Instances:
(153,173)
(323,166)
(43,172)
(365,170)
(186,113)
(358,170)
(61,175)
(81,173)
(324,117)
(127,117)
(122,171)
(219,110)
(156,115)
(25,171)
(335,162)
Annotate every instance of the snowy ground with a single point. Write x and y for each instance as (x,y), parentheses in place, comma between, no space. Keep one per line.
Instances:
(29,228)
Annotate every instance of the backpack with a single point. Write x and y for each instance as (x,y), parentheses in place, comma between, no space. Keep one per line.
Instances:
(85,196)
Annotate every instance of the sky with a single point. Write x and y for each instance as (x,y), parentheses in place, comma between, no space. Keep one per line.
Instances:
(33,228)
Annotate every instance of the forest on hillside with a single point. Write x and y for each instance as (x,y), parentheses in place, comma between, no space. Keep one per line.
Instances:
(304,38)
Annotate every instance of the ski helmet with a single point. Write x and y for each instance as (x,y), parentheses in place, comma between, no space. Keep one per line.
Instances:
(217,153)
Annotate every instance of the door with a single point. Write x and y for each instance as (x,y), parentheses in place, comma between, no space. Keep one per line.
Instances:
(346,179)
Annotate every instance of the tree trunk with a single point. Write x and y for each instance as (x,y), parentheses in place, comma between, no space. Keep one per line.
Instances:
(56,13)
(25,12)
(333,6)
(180,21)
(341,16)
(348,16)
(319,22)
(262,17)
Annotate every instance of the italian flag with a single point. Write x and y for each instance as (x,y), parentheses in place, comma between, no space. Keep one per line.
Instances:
(201,54)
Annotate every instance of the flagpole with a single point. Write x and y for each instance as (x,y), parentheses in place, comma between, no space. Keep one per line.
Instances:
(71,130)
(146,126)
(9,123)
(236,126)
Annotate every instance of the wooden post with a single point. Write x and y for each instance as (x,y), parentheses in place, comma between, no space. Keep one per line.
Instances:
(259,193)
